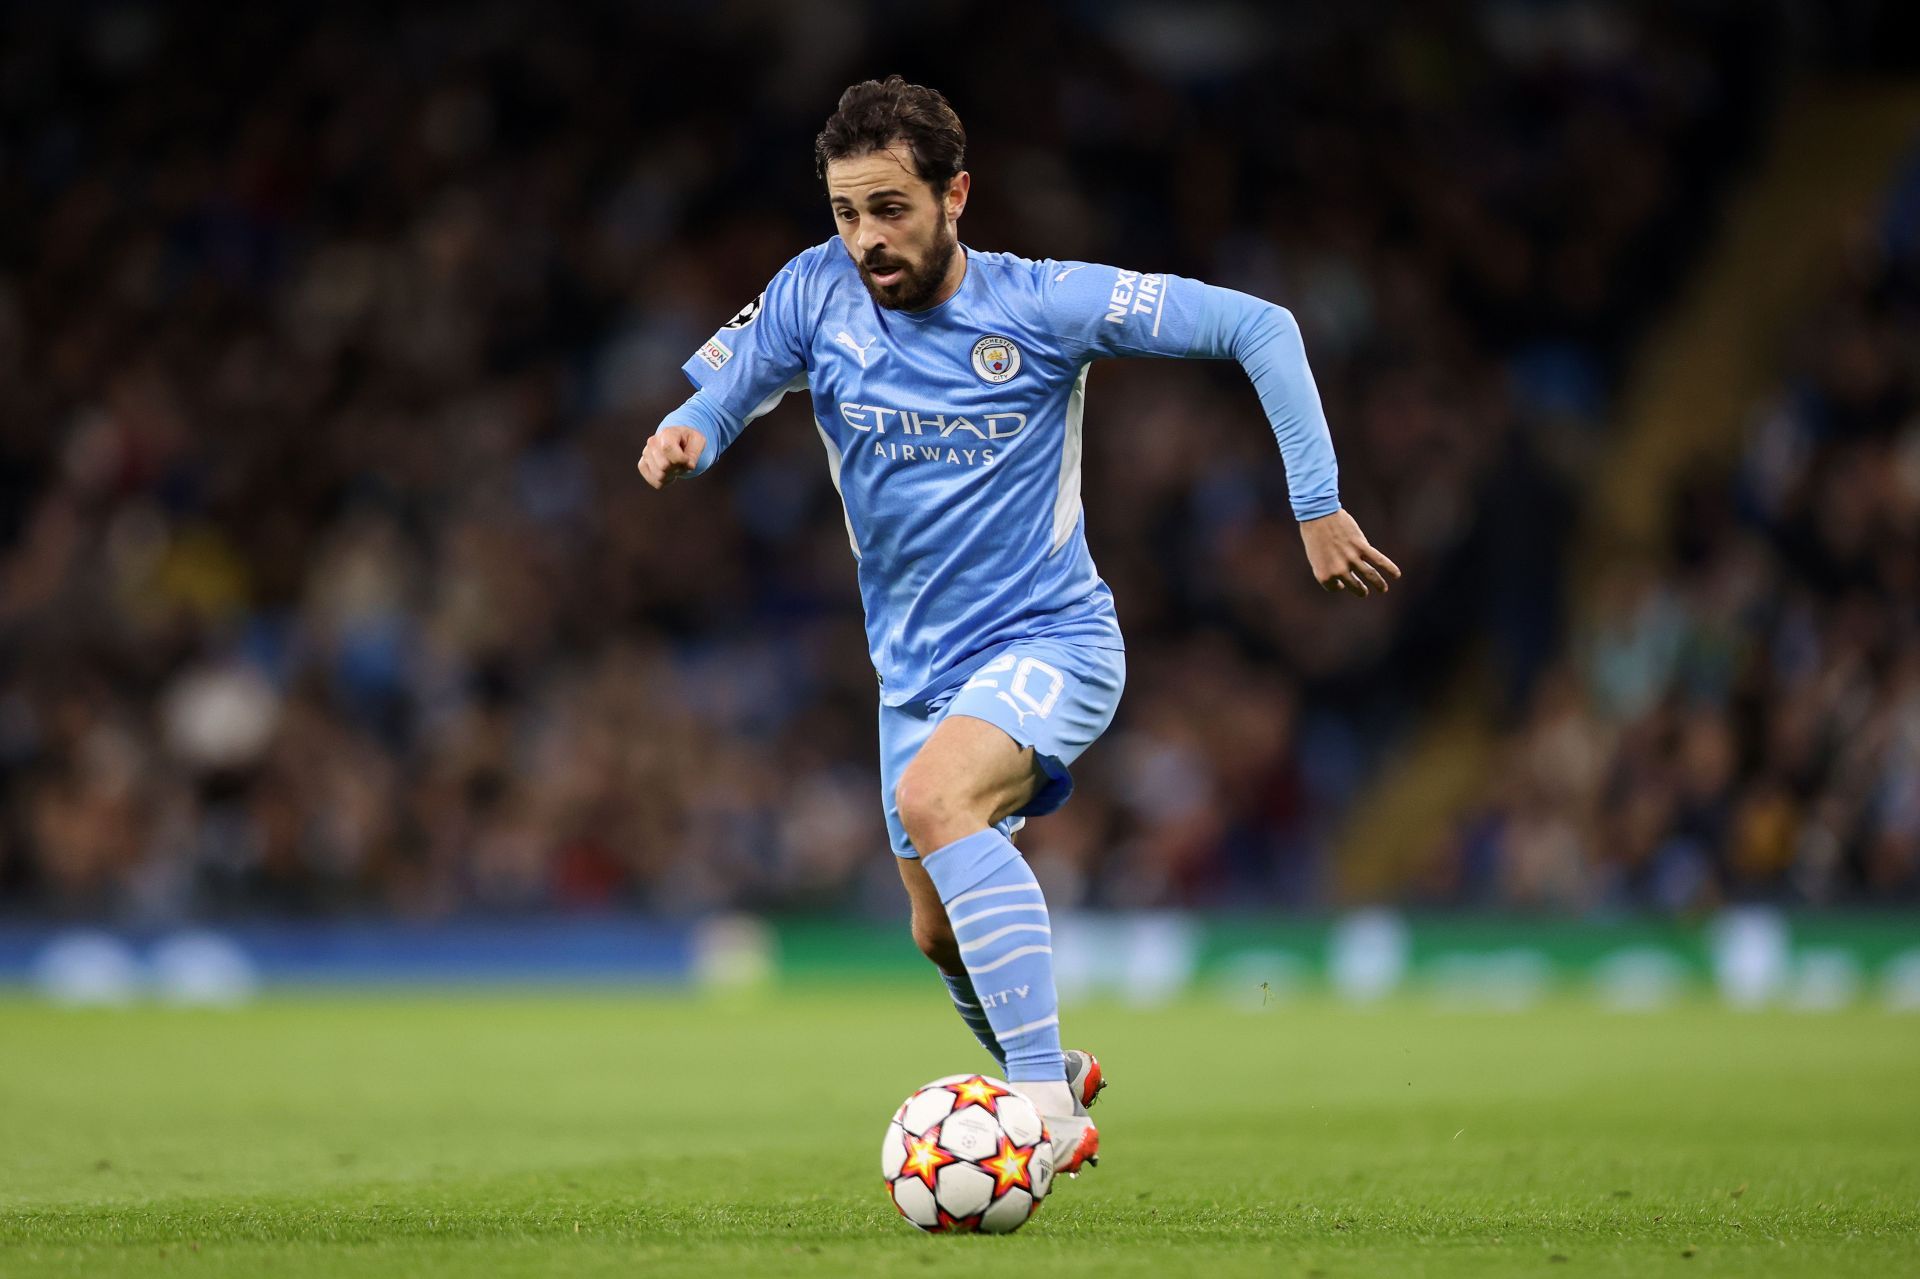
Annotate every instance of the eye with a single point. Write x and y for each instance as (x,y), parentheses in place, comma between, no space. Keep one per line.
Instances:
(892,211)
(845,215)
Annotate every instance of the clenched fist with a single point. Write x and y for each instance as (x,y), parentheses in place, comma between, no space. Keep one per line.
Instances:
(672,452)
(1343,559)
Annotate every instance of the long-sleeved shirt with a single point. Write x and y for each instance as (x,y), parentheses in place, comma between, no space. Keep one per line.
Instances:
(954,434)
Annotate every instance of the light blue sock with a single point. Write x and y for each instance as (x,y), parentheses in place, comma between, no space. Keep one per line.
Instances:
(999,915)
(968,1005)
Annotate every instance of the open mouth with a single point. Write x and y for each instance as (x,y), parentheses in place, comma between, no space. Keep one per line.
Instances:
(888,277)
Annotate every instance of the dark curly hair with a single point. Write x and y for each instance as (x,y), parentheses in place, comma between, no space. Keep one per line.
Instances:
(874,114)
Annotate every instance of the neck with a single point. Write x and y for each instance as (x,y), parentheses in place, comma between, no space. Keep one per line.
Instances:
(950,282)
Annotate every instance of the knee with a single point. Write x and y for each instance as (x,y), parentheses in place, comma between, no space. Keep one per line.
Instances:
(930,812)
(934,936)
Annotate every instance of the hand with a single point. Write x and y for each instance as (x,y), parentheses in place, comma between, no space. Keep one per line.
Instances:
(672,452)
(1343,559)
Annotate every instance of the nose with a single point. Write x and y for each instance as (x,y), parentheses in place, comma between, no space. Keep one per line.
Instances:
(870,235)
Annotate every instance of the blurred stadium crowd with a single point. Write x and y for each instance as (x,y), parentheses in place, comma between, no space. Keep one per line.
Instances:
(328,339)
(1740,720)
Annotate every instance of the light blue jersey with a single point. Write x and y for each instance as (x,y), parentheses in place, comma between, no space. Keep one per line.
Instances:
(954,435)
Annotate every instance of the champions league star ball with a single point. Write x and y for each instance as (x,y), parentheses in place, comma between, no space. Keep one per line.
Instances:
(966,1153)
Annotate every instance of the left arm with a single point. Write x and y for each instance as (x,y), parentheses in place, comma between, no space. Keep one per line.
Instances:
(1125,313)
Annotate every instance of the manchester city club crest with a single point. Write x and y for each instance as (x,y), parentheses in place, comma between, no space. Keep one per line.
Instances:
(995,359)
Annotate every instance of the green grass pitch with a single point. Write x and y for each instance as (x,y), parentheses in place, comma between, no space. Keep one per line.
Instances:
(583,1135)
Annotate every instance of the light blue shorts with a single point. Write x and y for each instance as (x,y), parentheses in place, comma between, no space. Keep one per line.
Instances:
(1055,697)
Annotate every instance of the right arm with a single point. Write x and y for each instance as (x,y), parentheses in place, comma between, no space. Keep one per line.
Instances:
(671,452)
(739,374)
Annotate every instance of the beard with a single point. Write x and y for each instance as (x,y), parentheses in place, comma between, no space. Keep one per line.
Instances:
(919,282)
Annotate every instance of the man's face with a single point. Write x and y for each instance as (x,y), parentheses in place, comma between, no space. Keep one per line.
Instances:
(899,232)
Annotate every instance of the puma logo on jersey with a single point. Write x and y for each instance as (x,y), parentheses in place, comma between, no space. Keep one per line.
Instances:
(845,339)
(1064,272)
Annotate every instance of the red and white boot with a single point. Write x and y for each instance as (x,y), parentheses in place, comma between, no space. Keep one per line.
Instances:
(1084,1077)
(1075,1141)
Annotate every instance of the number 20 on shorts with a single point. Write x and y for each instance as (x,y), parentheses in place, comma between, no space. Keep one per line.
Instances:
(1019,692)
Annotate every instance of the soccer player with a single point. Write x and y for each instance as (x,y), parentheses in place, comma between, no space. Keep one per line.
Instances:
(949,388)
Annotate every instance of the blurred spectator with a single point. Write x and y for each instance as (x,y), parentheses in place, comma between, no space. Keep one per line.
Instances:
(1741,722)
(328,339)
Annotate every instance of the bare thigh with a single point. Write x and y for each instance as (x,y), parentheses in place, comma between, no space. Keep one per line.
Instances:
(968,776)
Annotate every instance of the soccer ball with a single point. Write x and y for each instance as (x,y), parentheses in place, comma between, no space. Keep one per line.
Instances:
(966,1153)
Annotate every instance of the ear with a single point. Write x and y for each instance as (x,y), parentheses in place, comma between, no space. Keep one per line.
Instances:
(956,197)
